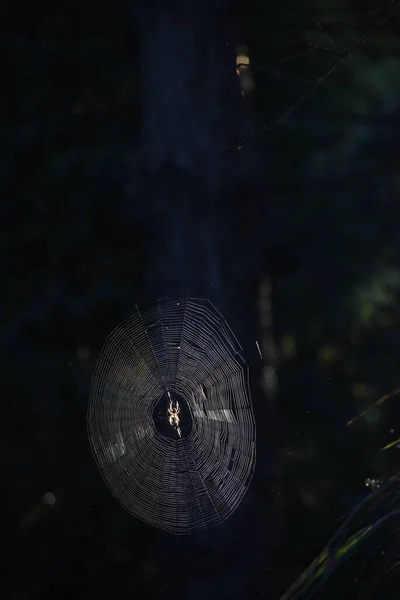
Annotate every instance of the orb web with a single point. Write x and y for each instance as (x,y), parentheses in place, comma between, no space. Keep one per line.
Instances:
(180,471)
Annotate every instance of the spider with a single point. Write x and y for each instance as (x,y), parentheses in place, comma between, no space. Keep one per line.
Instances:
(173,412)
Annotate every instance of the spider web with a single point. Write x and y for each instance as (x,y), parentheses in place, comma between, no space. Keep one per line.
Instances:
(178,483)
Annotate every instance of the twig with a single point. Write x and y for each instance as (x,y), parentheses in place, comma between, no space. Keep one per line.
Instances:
(319,24)
(274,72)
(294,55)
(307,44)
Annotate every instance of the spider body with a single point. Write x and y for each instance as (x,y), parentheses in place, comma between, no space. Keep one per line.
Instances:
(173,414)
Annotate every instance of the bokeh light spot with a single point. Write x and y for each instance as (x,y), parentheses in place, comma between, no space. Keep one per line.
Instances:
(49,498)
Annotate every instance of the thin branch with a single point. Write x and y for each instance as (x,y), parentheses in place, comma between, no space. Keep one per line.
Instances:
(358,22)
(319,25)
(274,72)
(294,55)
(306,44)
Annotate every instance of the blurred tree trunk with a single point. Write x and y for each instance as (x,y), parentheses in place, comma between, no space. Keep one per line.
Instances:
(192,115)
(201,202)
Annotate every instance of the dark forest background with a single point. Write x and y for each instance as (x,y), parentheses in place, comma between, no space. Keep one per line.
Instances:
(139,162)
